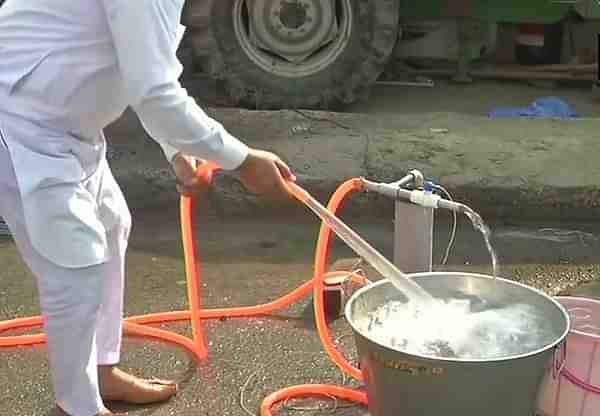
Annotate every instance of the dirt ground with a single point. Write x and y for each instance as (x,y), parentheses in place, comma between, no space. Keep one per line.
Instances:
(475,99)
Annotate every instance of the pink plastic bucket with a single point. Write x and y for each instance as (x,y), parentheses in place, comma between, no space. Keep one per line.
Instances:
(577,391)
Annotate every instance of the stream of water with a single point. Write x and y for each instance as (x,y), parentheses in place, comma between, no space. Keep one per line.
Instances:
(479,225)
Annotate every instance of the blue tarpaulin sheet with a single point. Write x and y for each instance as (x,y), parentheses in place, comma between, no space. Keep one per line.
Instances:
(544,107)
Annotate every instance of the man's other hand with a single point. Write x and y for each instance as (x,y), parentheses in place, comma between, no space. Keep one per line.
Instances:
(265,174)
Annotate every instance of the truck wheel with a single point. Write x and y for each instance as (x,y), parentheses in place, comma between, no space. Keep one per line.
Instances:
(299,53)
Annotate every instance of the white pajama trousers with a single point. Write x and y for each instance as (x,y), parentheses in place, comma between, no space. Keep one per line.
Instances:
(82,307)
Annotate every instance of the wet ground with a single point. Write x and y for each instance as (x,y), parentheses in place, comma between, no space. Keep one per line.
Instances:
(252,262)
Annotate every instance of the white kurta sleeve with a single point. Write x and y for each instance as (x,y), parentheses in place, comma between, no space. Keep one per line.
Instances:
(146,34)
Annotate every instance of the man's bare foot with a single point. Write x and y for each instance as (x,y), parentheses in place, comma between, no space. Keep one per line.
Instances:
(116,385)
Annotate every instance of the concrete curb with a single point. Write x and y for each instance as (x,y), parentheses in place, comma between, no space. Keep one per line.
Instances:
(511,170)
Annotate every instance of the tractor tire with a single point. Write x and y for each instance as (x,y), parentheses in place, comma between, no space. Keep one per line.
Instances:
(367,32)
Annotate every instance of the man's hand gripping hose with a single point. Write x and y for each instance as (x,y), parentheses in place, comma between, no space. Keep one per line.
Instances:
(138,325)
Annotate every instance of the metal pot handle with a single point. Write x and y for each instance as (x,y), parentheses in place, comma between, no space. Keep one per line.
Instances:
(559,359)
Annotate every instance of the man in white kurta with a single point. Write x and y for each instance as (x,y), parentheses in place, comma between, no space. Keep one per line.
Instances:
(68,68)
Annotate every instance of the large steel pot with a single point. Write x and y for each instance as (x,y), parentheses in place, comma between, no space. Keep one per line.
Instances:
(403,384)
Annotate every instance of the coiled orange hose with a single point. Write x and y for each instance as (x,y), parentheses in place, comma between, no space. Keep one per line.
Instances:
(310,390)
(138,325)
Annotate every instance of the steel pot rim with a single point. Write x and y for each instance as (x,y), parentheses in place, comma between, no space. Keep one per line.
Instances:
(416,276)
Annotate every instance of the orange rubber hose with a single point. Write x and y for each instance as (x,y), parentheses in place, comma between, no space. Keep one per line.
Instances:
(192,272)
(311,390)
(22,340)
(138,325)
(132,329)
